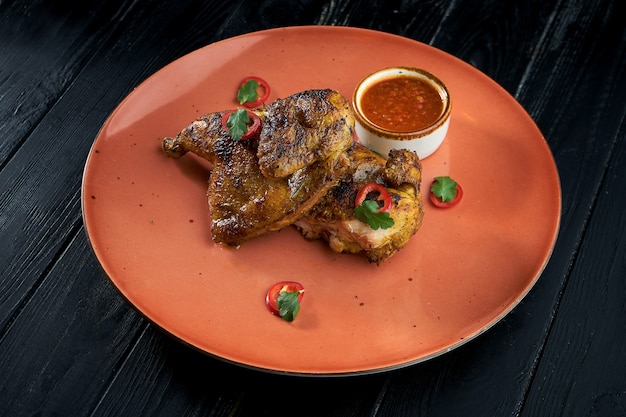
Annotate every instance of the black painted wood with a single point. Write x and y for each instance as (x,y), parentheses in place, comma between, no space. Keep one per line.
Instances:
(70,345)
(43,46)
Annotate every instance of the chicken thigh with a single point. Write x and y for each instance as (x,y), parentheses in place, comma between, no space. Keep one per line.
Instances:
(332,218)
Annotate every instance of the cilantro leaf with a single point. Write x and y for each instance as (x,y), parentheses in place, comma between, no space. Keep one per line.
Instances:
(288,305)
(248,92)
(444,188)
(238,123)
(367,213)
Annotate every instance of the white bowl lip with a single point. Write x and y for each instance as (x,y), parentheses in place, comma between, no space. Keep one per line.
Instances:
(390,72)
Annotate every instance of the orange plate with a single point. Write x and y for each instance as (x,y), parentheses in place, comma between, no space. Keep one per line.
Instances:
(146,216)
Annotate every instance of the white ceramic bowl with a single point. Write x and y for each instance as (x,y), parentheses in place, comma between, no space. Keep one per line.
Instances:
(424,140)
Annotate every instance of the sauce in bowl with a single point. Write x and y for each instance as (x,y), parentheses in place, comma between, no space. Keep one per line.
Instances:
(402,108)
(402,104)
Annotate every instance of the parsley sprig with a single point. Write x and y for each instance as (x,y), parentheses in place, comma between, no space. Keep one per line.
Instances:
(444,188)
(288,304)
(248,92)
(367,213)
(238,123)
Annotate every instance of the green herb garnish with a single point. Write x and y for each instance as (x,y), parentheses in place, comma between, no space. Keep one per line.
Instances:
(367,213)
(444,188)
(248,92)
(238,123)
(288,305)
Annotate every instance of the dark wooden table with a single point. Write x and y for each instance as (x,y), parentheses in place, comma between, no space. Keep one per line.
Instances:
(71,346)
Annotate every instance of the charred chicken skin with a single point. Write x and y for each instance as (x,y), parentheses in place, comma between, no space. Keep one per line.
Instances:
(264,184)
(332,218)
(306,127)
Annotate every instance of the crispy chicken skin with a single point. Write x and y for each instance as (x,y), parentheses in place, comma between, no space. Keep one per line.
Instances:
(332,218)
(244,201)
(302,128)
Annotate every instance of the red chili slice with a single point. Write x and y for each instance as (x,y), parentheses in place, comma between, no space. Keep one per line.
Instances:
(254,127)
(446,204)
(376,192)
(261,98)
(271,298)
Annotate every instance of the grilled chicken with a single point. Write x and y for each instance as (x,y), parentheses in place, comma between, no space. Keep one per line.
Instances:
(264,184)
(332,218)
(303,128)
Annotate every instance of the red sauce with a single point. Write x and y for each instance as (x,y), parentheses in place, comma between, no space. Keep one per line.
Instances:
(401,104)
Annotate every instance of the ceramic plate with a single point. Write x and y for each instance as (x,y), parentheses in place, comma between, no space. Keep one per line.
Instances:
(467,267)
